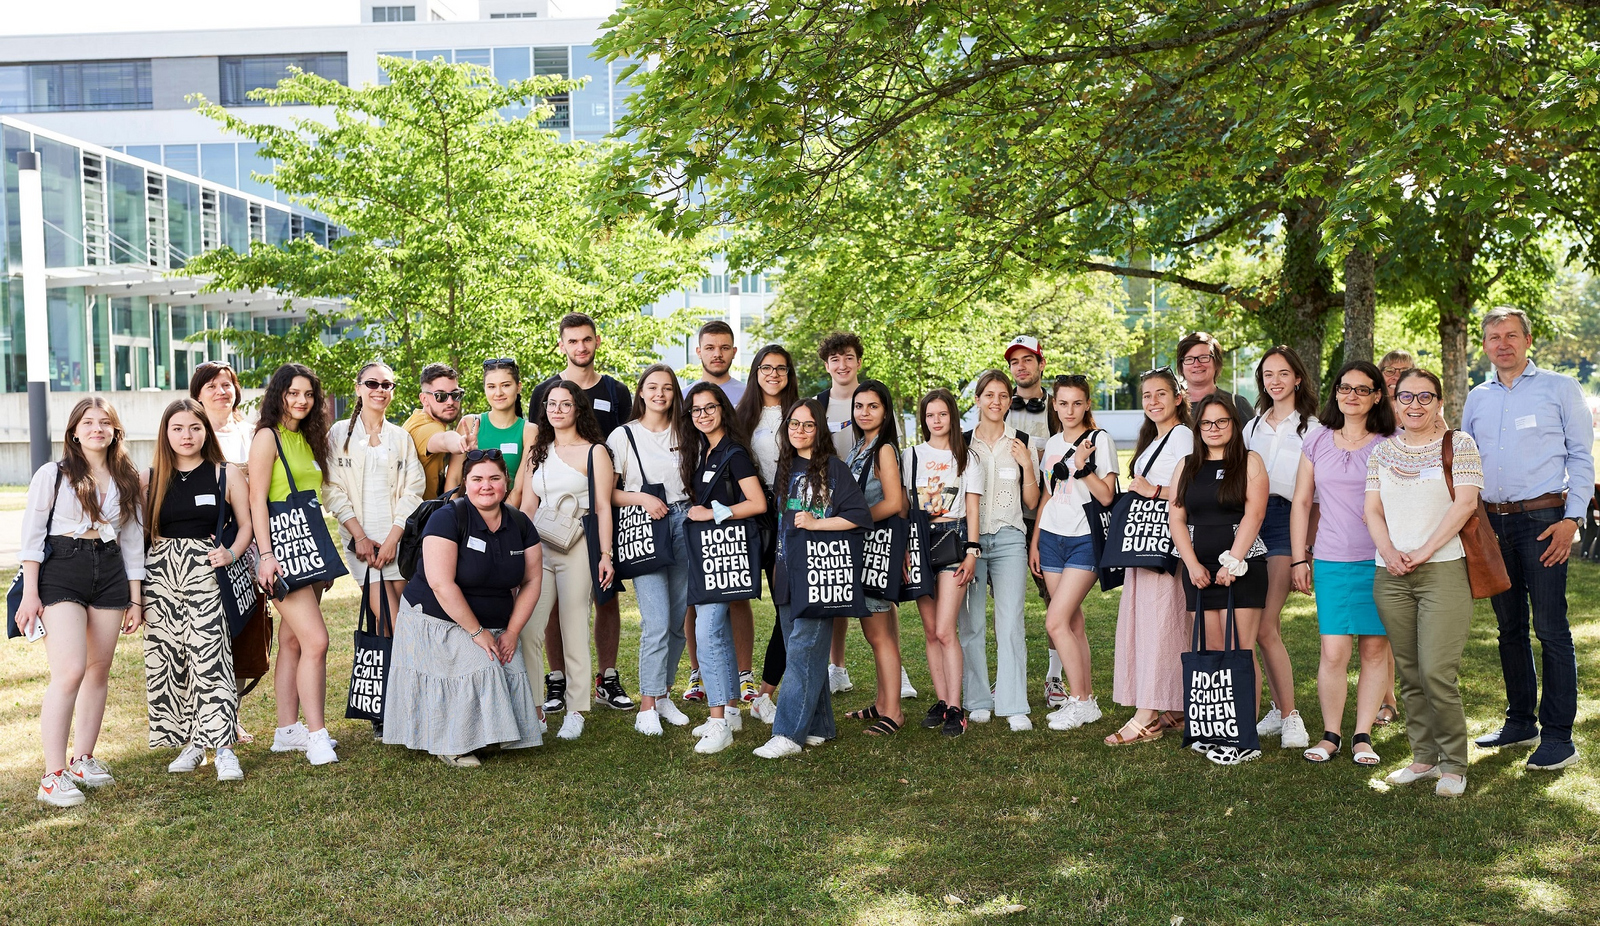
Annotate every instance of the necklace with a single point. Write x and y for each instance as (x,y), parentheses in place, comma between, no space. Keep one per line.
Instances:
(183,476)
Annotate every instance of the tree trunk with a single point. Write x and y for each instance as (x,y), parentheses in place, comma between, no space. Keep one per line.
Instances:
(1298,317)
(1453,317)
(1360,304)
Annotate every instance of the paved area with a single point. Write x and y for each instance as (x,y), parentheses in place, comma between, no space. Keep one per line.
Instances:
(10,538)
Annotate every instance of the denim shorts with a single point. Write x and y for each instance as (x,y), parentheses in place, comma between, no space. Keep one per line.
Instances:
(1057,552)
(878,605)
(1275,526)
(89,572)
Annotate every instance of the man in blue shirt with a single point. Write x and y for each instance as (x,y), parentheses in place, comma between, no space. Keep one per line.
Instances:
(1536,436)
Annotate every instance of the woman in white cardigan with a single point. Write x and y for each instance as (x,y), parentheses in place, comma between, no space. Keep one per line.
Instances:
(375,482)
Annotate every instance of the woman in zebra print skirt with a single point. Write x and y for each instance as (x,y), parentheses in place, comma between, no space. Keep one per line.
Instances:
(188,658)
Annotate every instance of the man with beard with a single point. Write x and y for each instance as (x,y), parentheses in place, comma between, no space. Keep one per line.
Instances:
(431,427)
(715,348)
(578,340)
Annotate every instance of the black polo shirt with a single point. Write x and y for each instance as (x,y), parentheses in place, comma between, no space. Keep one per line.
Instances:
(489,564)
(719,473)
(612,402)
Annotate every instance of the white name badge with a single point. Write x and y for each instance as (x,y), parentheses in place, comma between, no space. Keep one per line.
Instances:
(1221,473)
(476,543)
(511,449)
(1526,422)
(602,405)
(1432,472)
(710,475)
(200,500)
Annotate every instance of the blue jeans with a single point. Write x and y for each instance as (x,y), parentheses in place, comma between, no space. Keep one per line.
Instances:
(663,600)
(1004,564)
(1540,592)
(713,638)
(805,707)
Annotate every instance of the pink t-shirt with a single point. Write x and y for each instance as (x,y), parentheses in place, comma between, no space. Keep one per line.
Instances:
(1341,479)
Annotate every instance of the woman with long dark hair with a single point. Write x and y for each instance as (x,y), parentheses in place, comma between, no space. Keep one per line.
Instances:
(1079,463)
(188,654)
(294,415)
(722,473)
(557,473)
(1152,627)
(1286,406)
(648,451)
(1333,476)
(82,568)
(875,465)
(816,493)
(1215,517)
(504,427)
(943,479)
(215,386)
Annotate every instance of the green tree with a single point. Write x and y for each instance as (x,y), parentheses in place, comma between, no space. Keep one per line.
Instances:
(462,234)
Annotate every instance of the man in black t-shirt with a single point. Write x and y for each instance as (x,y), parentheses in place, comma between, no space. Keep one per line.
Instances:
(579,341)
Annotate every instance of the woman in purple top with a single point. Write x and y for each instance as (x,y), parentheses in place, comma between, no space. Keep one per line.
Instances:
(1333,472)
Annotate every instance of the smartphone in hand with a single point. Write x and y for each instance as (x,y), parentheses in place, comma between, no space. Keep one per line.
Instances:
(280,588)
(37,633)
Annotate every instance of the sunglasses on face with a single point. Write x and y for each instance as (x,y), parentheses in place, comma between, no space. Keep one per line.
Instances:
(473,456)
(378,384)
(1347,389)
(455,395)
(1416,398)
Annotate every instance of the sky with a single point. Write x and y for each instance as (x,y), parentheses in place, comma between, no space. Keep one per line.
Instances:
(32,17)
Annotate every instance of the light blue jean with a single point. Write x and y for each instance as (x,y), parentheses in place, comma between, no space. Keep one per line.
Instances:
(1004,564)
(713,638)
(805,706)
(663,600)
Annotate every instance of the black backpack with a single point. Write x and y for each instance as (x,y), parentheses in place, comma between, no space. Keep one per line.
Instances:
(410,553)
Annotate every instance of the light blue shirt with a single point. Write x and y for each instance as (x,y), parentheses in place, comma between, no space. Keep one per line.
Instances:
(1536,437)
(733,389)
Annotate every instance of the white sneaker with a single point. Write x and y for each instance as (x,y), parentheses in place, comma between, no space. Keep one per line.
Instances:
(1451,786)
(294,738)
(1272,724)
(465,760)
(1055,693)
(572,727)
(815,741)
(191,758)
(1019,723)
(1294,732)
(839,679)
(57,790)
(227,766)
(670,712)
(906,691)
(703,728)
(87,771)
(778,747)
(1405,776)
(648,722)
(764,709)
(1087,711)
(734,718)
(319,748)
(717,738)
(980,716)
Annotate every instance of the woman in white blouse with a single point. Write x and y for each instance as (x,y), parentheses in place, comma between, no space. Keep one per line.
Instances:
(1011,482)
(82,568)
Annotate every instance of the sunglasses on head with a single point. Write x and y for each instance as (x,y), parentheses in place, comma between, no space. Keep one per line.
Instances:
(1157,372)
(473,456)
(496,363)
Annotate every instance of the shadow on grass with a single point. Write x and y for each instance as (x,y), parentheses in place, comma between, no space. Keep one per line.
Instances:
(914,828)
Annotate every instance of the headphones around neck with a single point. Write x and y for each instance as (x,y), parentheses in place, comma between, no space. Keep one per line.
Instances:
(1018,403)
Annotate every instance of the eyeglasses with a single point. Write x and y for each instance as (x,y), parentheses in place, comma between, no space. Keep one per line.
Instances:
(804,427)
(1346,389)
(1198,360)
(497,362)
(378,384)
(473,456)
(455,395)
(767,369)
(1220,424)
(559,405)
(704,411)
(1419,398)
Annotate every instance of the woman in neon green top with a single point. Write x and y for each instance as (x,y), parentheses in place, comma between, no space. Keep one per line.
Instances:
(294,410)
(503,426)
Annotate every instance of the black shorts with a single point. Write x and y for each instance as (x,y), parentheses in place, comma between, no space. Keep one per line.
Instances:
(88,571)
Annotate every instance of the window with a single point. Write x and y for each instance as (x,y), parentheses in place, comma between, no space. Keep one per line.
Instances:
(74,86)
(240,75)
(394,14)
(513,15)
(479,56)
(553,62)
(716,285)
(183,221)
(182,157)
(127,202)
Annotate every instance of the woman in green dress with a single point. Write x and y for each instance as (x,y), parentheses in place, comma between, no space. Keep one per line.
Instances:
(503,427)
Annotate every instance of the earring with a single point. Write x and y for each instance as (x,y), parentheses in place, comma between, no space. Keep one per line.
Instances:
(75,439)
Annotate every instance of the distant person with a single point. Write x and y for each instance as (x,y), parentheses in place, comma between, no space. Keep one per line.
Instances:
(216,387)
(1536,436)
(715,349)
(432,427)
(1392,365)
(1200,363)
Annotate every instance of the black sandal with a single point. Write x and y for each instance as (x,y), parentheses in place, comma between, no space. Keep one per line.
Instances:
(884,726)
(1382,721)
(866,713)
(1319,755)
(1363,758)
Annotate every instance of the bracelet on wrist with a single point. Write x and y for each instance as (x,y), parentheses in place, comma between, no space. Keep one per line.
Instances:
(475,633)
(1303,562)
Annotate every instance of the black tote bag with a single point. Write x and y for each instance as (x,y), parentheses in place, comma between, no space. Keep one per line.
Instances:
(883,549)
(1099,525)
(643,544)
(1219,687)
(1137,533)
(237,580)
(824,569)
(725,558)
(591,530)
(300,540)
(919,579)
(14,594)
(369,667)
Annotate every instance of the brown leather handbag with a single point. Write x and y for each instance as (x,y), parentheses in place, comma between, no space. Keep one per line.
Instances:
(252,648)
(1486,568)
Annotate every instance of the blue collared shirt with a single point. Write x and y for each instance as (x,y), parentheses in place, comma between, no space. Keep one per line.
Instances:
(1536,437)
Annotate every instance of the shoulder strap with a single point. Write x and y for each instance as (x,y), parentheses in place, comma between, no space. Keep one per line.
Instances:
(459,507)
(628,430)
(287,472)
(589,474)
(1447,460)
(705,493)
(866,471)
(1157,454)
(50,519)
(222,499)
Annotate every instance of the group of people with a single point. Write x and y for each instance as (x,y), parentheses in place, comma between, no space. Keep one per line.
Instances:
(1359,502)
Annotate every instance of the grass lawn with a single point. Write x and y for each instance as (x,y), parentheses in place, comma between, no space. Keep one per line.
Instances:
(617,828)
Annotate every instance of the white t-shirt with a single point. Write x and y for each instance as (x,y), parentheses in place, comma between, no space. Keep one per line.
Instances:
(839,413)
(933,482)
(657,452)
(1036,424)
(1063,514)
(1179,444)
(1279,449)
(764,442)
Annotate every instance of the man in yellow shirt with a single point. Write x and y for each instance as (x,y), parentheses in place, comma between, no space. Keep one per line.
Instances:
(431,427)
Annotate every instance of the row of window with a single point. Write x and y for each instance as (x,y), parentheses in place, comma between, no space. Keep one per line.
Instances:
(752,284)
(241,74)
(76,86)
(394,14)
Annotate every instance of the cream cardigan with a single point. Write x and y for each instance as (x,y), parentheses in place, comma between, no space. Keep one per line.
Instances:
(344,483)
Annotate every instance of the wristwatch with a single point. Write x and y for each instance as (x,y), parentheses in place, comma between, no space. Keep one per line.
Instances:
(975,548)
(1578,522)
